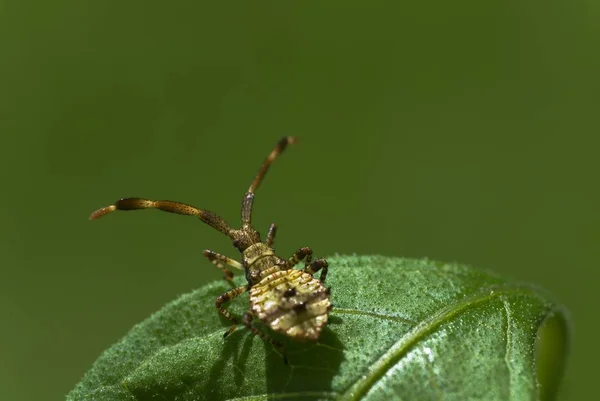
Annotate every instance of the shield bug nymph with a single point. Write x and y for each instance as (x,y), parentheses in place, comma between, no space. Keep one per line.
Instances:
(288,301)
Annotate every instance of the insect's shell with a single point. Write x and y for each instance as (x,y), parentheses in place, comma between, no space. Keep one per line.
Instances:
(291,302)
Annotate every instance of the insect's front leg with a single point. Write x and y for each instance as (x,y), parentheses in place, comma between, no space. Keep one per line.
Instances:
(217,259)
(226,297)
(247,320)
(271,235)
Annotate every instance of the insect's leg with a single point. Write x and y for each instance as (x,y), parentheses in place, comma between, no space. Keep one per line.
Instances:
(217,259)
(271,235)
(316,266)
(247,320)
(304,252)
(226,297)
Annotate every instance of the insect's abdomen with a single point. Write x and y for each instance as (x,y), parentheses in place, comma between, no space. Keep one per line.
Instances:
(291,302)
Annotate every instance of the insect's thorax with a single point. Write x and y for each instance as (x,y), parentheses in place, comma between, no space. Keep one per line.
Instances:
(257,259)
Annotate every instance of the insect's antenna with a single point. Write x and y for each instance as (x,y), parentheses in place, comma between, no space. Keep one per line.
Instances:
(249,196)
(166,206)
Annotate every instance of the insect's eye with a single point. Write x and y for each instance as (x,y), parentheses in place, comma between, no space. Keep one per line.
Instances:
(238,245)
(290,292)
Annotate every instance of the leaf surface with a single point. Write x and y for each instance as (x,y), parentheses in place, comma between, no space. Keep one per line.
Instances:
(401,329)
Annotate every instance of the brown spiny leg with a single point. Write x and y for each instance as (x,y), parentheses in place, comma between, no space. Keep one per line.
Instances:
(304,252)
(167,206)
(226,297)
(271,235)
(247,320)
(218,260)
(316,266)
(249,197)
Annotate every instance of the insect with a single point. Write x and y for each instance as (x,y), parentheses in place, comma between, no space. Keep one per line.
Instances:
(287,300)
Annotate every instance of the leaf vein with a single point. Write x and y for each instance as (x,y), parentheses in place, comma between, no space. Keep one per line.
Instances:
(423,328)
(508,344)
(272,396)
(372,314)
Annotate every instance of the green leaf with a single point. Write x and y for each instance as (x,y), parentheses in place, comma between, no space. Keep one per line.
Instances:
(401,329)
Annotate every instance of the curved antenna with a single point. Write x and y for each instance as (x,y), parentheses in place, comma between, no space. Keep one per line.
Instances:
(166,206)
(248,200)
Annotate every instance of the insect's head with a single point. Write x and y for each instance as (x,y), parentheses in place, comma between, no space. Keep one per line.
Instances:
(244,238)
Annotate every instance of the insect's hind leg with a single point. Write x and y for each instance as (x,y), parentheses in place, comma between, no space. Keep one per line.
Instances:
(319,264)
(302,253)
(247,320)
(309,267)
(226,297)
(218,260)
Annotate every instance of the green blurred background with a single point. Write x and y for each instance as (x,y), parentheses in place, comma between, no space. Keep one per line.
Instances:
(461,131)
